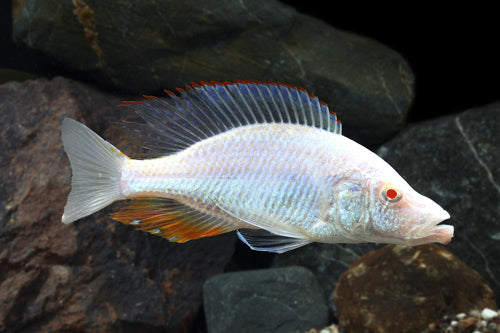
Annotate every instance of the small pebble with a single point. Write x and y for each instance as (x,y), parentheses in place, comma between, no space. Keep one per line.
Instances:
(329,329)
(469,322)
(488,314)
(475,313)
(478,321)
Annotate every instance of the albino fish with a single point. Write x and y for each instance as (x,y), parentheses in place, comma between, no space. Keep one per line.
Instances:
(265,159)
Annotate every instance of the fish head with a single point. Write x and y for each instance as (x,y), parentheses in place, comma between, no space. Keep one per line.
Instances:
(400,215)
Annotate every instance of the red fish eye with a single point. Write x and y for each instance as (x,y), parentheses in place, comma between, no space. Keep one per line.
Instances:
(391,193)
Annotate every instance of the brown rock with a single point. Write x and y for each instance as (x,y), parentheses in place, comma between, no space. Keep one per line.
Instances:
(404,289)
(94,274)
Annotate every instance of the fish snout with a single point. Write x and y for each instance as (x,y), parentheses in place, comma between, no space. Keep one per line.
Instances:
(433,232)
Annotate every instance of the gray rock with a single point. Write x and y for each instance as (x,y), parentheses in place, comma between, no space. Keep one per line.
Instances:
(455,160)
(150,45)
(272,300)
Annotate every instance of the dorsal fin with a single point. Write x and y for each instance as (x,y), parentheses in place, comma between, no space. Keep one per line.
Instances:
(206,109)
(171,219)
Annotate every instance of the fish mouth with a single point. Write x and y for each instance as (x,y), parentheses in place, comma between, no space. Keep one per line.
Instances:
(434,232)
(442,233)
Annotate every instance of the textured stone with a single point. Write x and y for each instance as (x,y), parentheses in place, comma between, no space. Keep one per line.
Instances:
(455,161)
(273,300)
(167,43)
(94,274)
(403,289)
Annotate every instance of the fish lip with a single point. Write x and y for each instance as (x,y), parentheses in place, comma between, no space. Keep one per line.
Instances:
(434,232)
(442,233)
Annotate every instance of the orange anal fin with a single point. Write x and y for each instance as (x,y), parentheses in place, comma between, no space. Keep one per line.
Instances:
(172,220)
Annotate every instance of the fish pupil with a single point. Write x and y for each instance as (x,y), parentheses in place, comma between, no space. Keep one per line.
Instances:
(391,193)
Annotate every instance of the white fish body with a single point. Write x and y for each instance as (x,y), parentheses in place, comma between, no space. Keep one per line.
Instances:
(281,184)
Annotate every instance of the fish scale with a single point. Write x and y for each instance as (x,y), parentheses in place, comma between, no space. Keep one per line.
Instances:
(265,159)
(243,166)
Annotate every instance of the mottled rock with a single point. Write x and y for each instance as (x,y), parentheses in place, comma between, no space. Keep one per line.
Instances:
(94,274)
(403,289)
(455,161)
(272,300)
(149,45)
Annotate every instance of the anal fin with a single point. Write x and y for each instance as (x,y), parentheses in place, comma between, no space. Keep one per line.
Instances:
(171,219)
(263,240)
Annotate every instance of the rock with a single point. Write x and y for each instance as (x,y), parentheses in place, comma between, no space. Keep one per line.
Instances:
(488,314)
(455,161)
(271,300)
(403,289)
(326,261)
(7,75)
(94,274)
(167,44)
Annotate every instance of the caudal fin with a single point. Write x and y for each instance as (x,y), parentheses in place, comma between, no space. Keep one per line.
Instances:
(96,166)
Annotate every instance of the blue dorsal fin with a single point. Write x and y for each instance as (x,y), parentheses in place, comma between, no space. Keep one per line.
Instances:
(206,109)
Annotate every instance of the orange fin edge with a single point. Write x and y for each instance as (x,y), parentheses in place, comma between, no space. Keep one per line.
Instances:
(171,220)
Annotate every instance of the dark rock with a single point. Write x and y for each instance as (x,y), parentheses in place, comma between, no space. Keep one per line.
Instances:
(403,289)
(7,75)
(455,161)
(94,274)
(150,45)
(326,261)
(272,300)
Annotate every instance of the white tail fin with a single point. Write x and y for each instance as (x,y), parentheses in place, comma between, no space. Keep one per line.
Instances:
(96,166)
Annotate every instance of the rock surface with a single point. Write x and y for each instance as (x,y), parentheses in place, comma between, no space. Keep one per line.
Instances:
(273,300)
(167,43)
(94,274)
(403,289)
(455,161)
